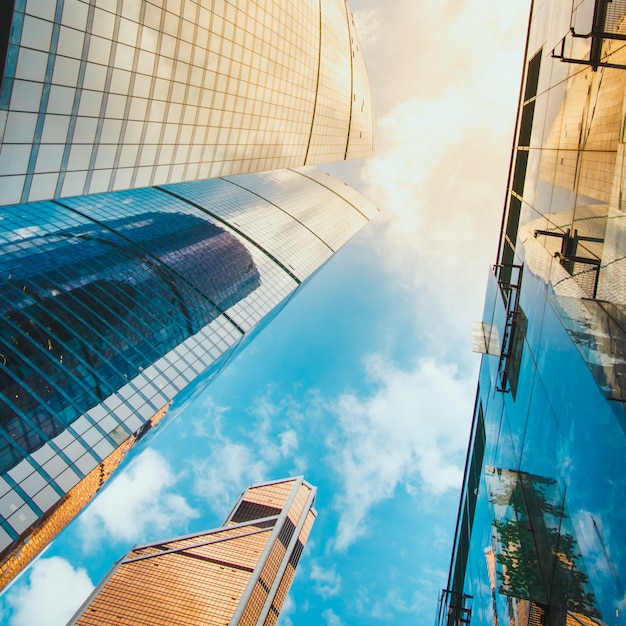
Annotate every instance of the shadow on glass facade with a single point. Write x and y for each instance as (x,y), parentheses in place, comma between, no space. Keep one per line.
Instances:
(540,533)
(88,308)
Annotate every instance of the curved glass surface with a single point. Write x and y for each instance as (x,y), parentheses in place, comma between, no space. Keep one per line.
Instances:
(103,97)
(111,304)
(91,306)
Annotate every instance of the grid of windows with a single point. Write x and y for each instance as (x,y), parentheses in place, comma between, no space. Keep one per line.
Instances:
(58,514)
(111,304)
(115,94)
(203,578)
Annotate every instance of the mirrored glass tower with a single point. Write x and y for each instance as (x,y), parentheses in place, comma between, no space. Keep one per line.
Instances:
(238,574)
(540,532)
(113,303)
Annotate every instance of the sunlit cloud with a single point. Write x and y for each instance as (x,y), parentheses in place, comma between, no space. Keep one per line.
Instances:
(411,431)
(441,194)
(139,502)
(53,593)
(442,152)
(368,26)
(454,42)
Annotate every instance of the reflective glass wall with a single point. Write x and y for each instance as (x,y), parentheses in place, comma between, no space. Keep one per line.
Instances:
(105,95)
(540,534)
(111,304)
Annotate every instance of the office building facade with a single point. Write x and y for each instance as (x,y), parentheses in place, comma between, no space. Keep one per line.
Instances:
(238,574)
(106,95)
(540,532)
(114,303)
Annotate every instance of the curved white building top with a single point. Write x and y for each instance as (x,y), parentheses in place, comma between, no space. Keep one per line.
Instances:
(117,94)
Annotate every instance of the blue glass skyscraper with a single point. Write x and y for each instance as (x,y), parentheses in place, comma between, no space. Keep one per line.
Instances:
(113,303)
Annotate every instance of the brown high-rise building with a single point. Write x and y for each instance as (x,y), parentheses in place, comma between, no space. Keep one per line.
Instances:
(237,574)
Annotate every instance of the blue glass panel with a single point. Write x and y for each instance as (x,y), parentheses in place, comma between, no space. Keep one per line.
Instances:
(89,300)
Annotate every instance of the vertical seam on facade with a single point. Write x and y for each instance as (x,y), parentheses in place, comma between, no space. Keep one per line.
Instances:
(351,77)
(520,102)
(183,104)
(106,92)
(129,98)
(43,103)
(271,596)
(295,219)
(254,577)
(317,87)
(197,107)
(150,95)
(77,98)
(168,99)
(295,171)
(231,227)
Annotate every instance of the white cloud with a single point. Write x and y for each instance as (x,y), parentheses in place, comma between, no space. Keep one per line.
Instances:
(441,193)
(367,25)
(445,120)
(413,427)
(53,593)
(136,501)
(230,465)
(228,469)
(331,618)
(424,47)
(326,582)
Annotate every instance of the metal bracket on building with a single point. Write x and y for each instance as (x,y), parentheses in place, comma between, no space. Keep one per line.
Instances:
(600,31)
(568,255)
(455,609)
(510,289)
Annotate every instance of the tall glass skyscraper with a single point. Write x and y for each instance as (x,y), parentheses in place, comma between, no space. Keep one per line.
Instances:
(540,532)
(111,304)
(106,95)
(238,574)
(131,262)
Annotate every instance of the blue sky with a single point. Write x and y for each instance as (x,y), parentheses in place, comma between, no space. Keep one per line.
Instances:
(365,382)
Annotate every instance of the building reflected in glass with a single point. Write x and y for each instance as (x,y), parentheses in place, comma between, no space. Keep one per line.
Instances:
(237,574)
(540,533)
(111,304)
